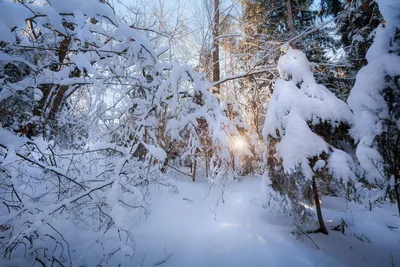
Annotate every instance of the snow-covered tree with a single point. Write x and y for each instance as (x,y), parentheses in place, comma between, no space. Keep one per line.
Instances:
(72,70)
(375,100)
(57,45)
(305,130)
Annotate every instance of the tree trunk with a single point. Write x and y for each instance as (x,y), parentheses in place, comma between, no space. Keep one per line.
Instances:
(290,16)
(194,167)
(58,100)
(215,49)
(207,163)
(322,227)
(165,166)
(233,161)
(396,191)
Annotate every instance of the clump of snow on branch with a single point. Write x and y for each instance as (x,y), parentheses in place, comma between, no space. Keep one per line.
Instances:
(297,104)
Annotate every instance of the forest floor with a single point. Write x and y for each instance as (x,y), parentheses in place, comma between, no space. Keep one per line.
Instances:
(194,227)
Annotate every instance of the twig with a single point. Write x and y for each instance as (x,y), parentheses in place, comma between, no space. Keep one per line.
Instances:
(188,200)
(40,261)
(52,169)
(243,75)
(83,194)
(144,256)
(68,250)
(164,260)
(391,258)
(301,35)
(307,235)
(178,170)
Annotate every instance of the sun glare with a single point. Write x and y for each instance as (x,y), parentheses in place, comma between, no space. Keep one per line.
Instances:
(239,143)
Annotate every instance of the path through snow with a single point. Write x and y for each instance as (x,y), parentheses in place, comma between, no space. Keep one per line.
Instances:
(186,229)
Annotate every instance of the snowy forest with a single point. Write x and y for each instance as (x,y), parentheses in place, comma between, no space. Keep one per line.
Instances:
(200,133)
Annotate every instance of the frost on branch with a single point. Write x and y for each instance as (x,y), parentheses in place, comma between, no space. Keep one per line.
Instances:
(92,115)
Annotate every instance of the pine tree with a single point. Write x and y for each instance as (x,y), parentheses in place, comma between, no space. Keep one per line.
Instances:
(375,100)
(304,127)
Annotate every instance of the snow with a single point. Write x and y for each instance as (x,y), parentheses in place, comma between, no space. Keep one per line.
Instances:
(92,8)
(390,9)
(118,214)
(319,165)
(11,16)
(366,98)
(5,34)
(299,144)
(157,152)
(104,146)
(10,140)
(14,15)
(114,194)
(191,227)
(113,207)
(82,61)
(10,158)
(341,165)
(296,101)
(381,43)
(369,159)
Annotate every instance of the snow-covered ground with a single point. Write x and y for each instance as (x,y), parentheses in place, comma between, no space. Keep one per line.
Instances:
(195,227)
